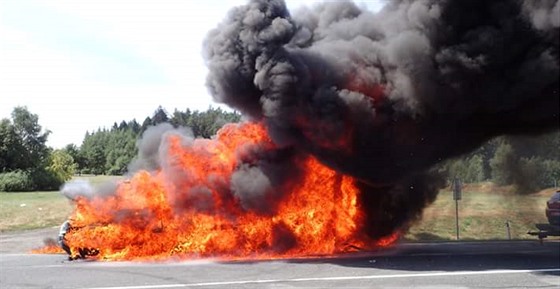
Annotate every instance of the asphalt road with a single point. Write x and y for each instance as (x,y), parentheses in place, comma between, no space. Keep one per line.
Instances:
(514,264)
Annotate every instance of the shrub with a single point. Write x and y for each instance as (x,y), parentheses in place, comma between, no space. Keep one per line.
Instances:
(536,174)
(16,181)
(61,165)
(468,169)
(504,164)
(45,180)
(552,172)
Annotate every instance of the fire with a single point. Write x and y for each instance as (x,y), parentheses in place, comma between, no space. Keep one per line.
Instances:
(187,208)
(48,249)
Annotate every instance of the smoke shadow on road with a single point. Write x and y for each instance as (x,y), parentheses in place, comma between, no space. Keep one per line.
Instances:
(455,256)
(449,257)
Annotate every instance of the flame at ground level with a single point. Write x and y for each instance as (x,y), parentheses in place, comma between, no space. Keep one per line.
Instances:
(187,209)
(51,247)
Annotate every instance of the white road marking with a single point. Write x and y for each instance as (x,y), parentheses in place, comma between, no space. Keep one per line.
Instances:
(320,279)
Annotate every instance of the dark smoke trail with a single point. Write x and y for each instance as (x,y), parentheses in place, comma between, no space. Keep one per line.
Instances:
(384,96)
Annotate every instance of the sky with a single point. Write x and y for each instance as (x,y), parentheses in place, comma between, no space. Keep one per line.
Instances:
(81,65)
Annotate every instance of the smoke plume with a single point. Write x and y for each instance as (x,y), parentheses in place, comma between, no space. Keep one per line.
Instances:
(150,146)
(77,188)
(384,96)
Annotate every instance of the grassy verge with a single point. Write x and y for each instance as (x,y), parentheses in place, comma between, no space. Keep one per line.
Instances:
(483,213)
(32,210)
(20,211)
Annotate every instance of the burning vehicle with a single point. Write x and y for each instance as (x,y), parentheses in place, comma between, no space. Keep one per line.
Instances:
(346,113)
(81,253)
(139,220)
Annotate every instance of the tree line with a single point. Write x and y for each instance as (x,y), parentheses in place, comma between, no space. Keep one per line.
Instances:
(109,151)
(529,163)
(26,163)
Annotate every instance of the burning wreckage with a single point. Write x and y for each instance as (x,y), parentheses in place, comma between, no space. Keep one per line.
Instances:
(347,110)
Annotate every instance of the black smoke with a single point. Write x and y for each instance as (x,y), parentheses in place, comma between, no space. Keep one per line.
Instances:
(384,96)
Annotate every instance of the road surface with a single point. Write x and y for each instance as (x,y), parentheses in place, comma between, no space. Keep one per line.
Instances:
(498,264)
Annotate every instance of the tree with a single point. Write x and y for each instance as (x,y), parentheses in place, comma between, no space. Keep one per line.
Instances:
(525,166)
(34,140)
(135,126)
(61,165)
(123,125)
(93,151)
(120,149)
(22,142)
(145,124)
(25,160)
(76,155)
(160,116)
(109,151)
(206,123)
(468,169)
(504,164)
(12,150)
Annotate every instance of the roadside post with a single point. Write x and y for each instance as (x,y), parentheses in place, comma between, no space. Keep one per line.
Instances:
(457,195)
(508,230)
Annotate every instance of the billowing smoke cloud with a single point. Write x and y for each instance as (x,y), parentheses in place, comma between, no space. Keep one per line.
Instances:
(83,189)
(77,188)
(151,149)
(150,146)
(384,96)
(543,14)
(258,181)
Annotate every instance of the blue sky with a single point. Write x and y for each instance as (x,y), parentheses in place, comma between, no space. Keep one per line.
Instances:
(84,64)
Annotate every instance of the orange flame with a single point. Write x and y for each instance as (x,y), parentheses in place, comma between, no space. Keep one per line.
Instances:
(48,249)
(181,210)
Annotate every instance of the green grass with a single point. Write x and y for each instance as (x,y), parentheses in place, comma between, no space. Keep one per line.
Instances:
(20,211)
(482,216)
(32,210)
(97,180)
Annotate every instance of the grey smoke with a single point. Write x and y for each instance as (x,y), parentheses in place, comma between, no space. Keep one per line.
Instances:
(384,96)
(83,188)
(250,185)
(543,14)
(77,188)
(151,146)
(378,96)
